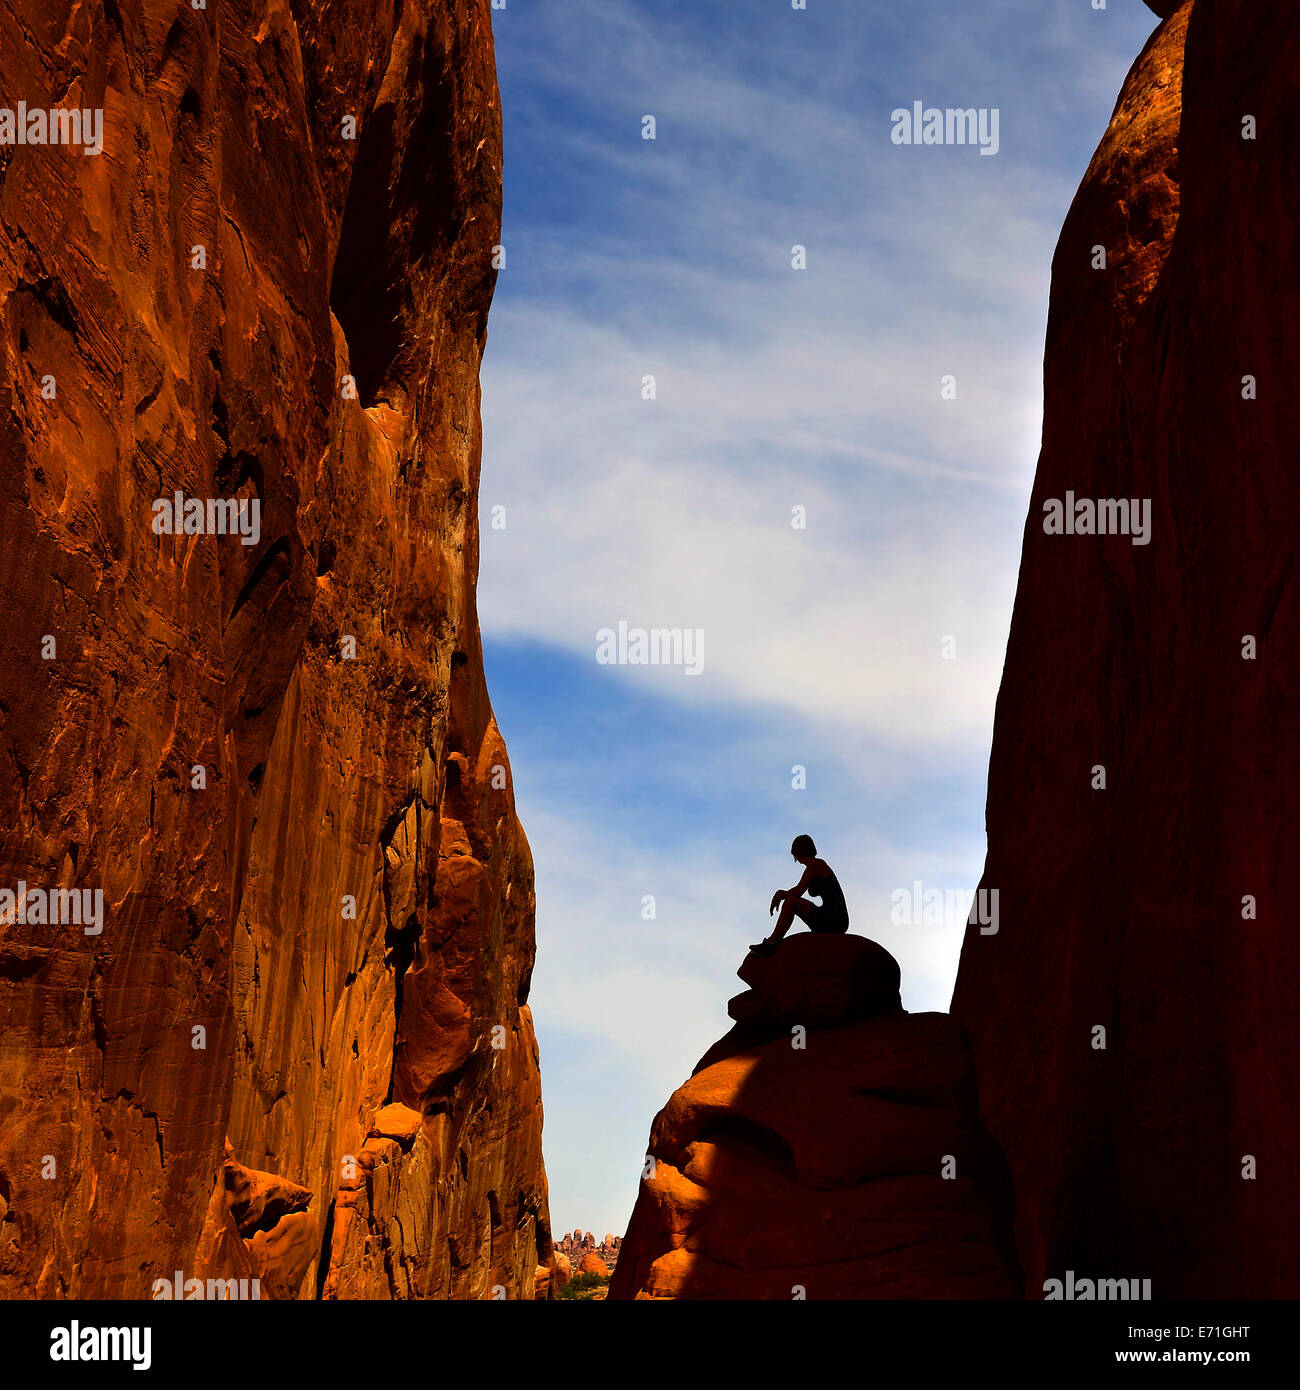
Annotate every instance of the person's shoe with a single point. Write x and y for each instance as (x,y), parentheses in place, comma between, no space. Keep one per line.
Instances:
(764,947)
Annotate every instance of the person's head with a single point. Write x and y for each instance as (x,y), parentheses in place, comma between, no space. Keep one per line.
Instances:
(803,848)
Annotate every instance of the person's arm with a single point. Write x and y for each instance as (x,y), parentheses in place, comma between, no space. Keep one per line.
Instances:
(796,892)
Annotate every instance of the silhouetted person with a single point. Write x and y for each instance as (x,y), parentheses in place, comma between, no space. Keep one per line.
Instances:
(830,915)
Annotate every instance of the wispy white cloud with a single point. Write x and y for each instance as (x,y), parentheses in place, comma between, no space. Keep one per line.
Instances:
(682,506)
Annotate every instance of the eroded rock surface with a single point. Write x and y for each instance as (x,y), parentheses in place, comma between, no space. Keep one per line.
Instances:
(277,760)
(1133,1019)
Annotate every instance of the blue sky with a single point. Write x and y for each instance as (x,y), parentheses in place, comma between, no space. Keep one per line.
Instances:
(776,389)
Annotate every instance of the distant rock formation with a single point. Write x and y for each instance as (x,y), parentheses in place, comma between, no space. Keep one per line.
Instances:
(828,1147)
(576,1245)
(276,760)
(1134,1017)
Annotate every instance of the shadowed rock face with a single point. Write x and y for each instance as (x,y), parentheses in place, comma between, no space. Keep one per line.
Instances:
(277,760)
(816,1161)
(1160,909)
(815,980)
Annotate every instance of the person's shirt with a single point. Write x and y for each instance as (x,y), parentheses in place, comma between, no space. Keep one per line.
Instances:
(826,886)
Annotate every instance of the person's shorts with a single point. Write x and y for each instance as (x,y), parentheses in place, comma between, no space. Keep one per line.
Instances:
(826,919)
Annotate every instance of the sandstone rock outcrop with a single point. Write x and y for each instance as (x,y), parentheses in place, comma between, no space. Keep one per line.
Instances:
(847,1163)
(550,1279)
(1160,907)
(574,1245)
(277,760)
(817,980)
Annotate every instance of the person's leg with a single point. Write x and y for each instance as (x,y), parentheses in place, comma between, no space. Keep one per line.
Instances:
(790,909)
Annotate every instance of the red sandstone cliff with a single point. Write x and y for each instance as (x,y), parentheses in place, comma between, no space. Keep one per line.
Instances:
(1173,1153)
(317,936)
